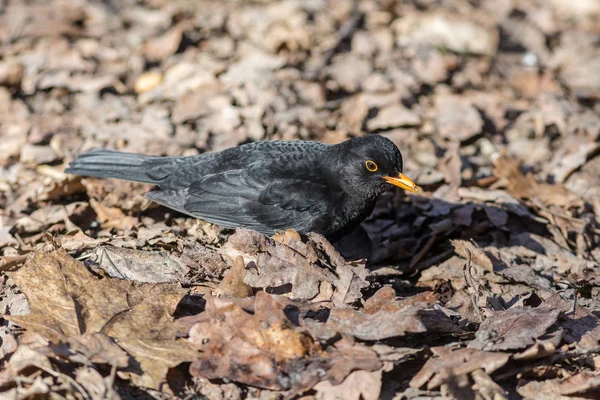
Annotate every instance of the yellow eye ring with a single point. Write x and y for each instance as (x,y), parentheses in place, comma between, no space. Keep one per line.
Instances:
(371,166)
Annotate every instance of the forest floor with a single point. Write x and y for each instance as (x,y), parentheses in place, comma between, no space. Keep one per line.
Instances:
(483,286)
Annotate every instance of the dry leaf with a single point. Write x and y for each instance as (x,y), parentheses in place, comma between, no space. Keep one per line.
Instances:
(358,385)
(139,266)
(67,301)
(526,187)
(266,349)
(383,318)
(457,363)
(233,281)
(515,328)
(294,268)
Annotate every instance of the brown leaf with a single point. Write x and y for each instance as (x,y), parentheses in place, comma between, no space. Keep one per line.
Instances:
(393,116)
(544,345)
(582,327)
(358,385)
(255,349)
(486,387)
(456,117)
(348,72)
(95,384)
(351,276)
(48,215)
(266,349)
(451,166)
(66,187)
(11,73)
(77,240)
(157,49)
(478,255)
(514,328)
(294,268)
(233,283)
(446,30)
(139,266)
(155,358)
(88,348)
(67,300)
(194,105)
(8,342)
(384,318)
(346,356)
(112,217)
(456,363)
(22,360)
(526,187)
(583,383)
(545,390)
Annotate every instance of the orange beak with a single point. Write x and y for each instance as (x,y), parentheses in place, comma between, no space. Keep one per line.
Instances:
(403,182)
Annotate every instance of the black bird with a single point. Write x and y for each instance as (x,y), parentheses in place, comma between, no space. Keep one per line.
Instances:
(266,186)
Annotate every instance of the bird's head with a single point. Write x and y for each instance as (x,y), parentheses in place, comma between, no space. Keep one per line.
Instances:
(372,163)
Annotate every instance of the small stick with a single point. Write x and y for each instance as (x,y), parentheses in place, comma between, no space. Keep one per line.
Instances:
(473,286)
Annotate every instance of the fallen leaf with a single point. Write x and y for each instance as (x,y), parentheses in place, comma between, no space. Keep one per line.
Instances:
(112,217)
(294,268)
(582,327)
(545,390)
(443,30)
(11,73)
(98,386)
(257,349)
(24,358)
(157,49)
(348,72)
(456,117)
(515,328)
(77,240)
(383,317)
(48,215)
(358,385)
(67,301)
(265,349)
(233,283)
(486,387)
(456,363)
(393,116)
(87,349)
(583,383)
(65,187)
(526,187)
(138,266)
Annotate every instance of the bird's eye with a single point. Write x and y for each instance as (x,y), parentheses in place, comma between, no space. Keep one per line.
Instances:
(371,165)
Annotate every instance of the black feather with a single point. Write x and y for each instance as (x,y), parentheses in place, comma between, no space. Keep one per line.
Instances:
(266,186)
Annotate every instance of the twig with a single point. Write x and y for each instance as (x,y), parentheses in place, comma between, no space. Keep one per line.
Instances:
(67,377)
(473,286)
(423,251)
(110,383)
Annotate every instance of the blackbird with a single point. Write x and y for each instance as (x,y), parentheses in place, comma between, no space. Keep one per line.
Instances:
(267,186)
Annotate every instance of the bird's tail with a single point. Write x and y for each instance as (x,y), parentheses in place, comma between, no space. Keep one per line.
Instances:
(102,163)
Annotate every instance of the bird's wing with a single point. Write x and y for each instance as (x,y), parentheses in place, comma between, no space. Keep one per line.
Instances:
(250,199)
(180,172)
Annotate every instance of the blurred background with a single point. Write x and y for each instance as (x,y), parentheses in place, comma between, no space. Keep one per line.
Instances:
(454,83)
